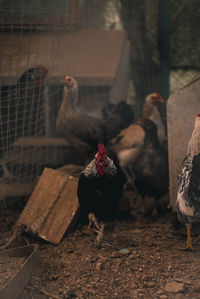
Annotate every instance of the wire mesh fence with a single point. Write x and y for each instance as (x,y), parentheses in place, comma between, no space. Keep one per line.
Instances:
(101,43)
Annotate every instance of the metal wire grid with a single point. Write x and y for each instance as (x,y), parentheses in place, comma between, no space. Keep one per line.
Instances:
(18,19)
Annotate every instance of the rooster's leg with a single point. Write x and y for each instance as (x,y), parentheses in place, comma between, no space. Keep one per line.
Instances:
(92,219)
(100,232)
(189,238)
(98,228)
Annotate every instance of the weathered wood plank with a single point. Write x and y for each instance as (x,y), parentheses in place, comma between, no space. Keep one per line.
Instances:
(40,142)
(45,194)
(15,190)
(50,152)
(62,214)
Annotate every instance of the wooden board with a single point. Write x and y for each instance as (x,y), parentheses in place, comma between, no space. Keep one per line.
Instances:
(40,142)
(42,151)
(62,214)
(46,192)
(52,207)
(15,190)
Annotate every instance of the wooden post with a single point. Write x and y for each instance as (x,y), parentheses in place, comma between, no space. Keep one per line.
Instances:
(46,110)
(164,47)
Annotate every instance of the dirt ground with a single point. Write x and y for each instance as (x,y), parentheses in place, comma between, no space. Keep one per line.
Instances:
(139,258)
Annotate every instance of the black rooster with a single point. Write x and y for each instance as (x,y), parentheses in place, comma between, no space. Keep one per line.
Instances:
(100,189)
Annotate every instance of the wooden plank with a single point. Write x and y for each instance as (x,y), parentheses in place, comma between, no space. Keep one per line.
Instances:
(40,142)
(15,190)
(63,213)
(44,196)
(31,22)
(48,151)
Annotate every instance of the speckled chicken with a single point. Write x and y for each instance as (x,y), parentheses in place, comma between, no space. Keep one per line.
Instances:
(188,195)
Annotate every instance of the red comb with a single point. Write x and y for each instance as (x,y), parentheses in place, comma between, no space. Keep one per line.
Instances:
(101,149)
(101,159)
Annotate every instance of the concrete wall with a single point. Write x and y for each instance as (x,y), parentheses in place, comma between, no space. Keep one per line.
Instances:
(182,108)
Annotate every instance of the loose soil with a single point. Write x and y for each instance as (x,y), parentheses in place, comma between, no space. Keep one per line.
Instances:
(139,258)
(8,268)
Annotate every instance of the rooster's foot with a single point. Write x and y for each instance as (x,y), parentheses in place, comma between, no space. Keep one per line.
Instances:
(100,235)
(189,238)
(189,246)
(93,220)
(98,228)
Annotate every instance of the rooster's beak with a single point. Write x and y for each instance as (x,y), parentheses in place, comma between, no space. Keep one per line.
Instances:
(159,99)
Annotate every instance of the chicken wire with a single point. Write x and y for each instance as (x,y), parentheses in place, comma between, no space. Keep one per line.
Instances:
(28,110)
(27,28)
